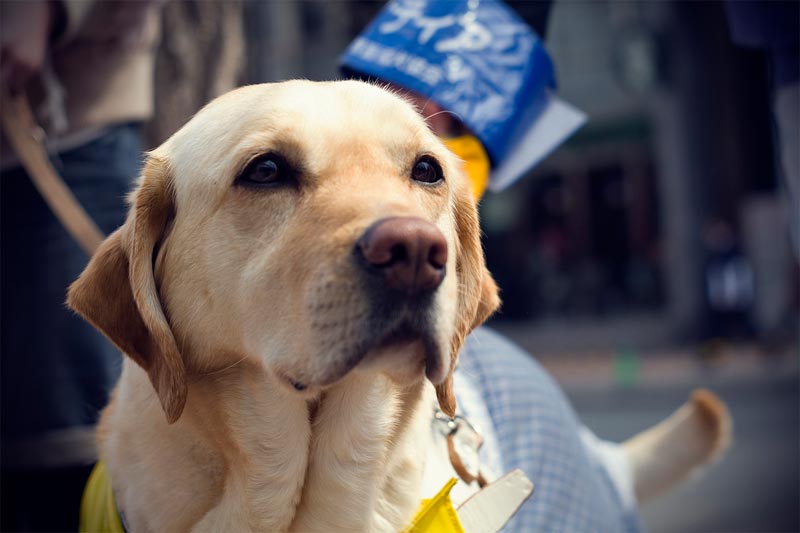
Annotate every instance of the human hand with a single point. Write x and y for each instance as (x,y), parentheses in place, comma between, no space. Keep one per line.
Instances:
(24,35)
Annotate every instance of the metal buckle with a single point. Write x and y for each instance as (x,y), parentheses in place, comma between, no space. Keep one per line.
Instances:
(463,444)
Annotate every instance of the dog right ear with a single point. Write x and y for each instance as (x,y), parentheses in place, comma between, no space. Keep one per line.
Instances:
(117,291)
(477,292)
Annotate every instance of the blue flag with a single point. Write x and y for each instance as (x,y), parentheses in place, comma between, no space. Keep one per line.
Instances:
(478,59)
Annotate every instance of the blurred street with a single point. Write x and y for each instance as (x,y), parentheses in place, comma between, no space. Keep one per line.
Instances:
(757,485)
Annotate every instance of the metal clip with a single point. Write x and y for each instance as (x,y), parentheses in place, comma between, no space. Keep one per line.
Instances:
(463,445)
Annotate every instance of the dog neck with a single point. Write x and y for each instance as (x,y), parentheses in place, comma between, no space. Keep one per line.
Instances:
(250,454)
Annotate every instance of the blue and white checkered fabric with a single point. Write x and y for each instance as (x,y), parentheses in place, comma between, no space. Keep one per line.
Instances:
(538,432)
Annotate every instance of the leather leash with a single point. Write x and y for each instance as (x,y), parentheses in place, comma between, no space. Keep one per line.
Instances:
(26,138)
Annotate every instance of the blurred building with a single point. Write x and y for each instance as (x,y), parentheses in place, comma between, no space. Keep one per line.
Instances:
(613,240)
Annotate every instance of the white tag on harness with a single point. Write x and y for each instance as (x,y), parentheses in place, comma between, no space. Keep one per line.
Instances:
(488,510)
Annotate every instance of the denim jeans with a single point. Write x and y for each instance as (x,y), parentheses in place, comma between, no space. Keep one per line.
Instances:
(56,371)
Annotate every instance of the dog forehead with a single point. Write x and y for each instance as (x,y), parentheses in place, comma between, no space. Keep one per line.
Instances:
(340,107)
(324,118)
(344,100)
(340,117)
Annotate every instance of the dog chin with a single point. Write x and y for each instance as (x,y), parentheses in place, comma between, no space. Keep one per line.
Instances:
(405,347)
(406,356)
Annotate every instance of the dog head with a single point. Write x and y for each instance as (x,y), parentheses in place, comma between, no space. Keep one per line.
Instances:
(315,228)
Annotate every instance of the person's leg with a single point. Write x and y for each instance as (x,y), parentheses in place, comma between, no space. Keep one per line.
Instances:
(56,371)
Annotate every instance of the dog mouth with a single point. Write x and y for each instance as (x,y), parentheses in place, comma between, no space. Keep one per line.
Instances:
(383,332)
(408,336)
(406,346)
(407,343)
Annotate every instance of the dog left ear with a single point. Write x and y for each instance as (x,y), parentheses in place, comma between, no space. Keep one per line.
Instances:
(478,296)
(117,292)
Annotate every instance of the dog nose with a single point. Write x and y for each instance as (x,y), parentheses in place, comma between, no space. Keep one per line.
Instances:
(409,252)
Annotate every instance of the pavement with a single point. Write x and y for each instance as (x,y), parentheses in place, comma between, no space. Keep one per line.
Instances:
(670,367)
(756,486)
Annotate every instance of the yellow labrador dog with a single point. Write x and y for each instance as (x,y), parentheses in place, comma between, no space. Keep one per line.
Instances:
(299,268)
(298,271)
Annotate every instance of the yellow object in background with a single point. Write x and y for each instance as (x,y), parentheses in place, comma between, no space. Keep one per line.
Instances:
(476,161)
(98,508)
(437,515)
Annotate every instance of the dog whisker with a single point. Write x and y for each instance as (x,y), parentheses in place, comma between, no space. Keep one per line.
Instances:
(224,369)
(444,111)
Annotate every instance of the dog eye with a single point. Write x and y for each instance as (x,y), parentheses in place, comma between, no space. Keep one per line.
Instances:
(427,170)
(267,170)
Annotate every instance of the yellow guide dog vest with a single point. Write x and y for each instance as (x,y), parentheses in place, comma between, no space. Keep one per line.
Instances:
(99,510)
